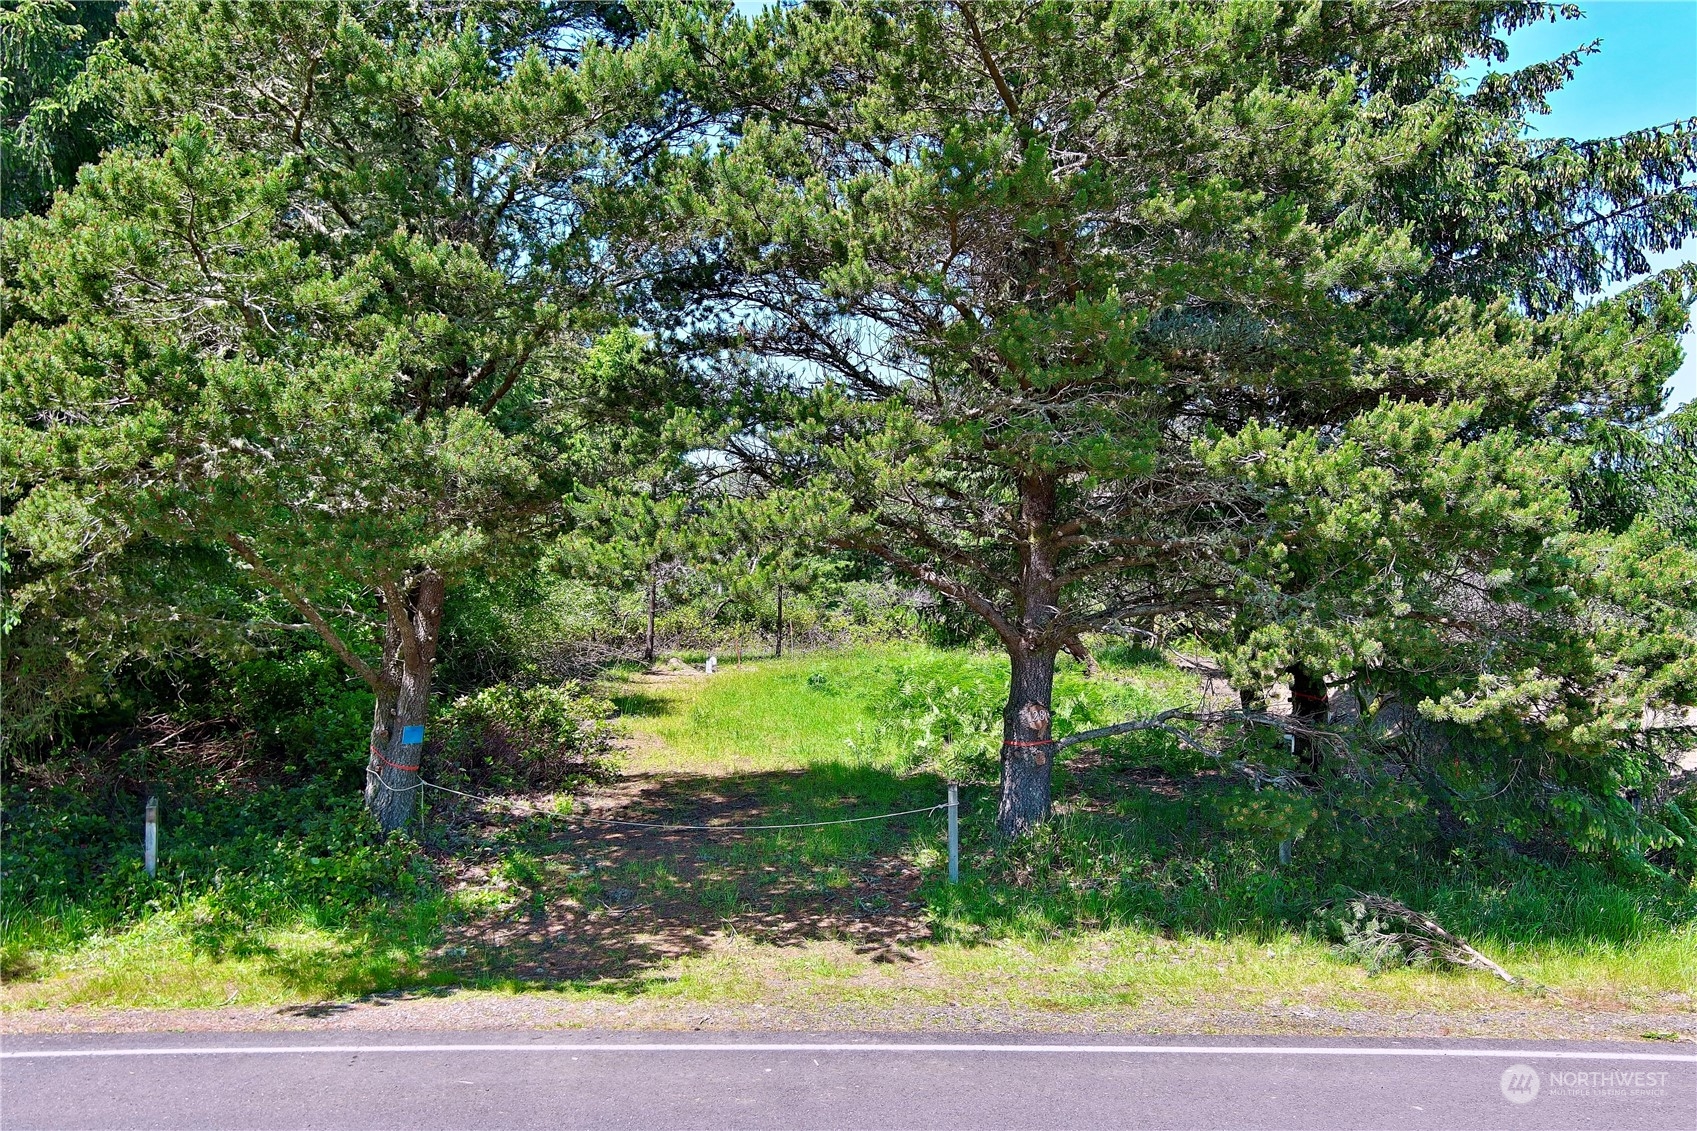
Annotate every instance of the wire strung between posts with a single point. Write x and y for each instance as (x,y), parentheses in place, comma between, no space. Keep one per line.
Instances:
(371,773)
(683,828)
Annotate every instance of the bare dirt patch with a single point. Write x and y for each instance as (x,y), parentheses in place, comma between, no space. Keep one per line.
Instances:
(610,903)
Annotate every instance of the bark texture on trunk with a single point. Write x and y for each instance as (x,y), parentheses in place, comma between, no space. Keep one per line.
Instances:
(1311,706)
(778,649)
(410,636)
(1027,751)
(648,648)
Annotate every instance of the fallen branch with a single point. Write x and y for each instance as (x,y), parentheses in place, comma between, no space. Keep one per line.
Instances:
(1376,928)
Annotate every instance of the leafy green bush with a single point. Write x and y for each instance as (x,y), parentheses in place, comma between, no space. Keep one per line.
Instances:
(307,713)
(1273,814)
(59,844)
(237,859)
(1155,862)
(944,709)
(1676,813)
(523,738)
(257,767)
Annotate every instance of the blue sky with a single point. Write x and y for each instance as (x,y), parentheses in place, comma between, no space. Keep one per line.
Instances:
(1644,75)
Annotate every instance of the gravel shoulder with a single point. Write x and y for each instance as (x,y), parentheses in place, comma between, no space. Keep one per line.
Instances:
(492,1011)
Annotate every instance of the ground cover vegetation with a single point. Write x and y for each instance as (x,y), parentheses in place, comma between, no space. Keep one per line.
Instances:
(1147,891)
(1193,428)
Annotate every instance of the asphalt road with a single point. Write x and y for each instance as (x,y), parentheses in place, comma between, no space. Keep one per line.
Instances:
(696,1080)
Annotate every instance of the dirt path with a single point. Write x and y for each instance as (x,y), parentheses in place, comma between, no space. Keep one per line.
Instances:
(616,902)
(613,902)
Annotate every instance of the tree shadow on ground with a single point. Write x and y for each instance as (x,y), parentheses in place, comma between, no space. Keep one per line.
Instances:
(547,901)
(639,704)
(538,901)
(317,1010)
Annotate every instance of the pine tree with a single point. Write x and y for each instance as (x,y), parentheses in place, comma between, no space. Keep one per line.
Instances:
(1087,315)
(326,313)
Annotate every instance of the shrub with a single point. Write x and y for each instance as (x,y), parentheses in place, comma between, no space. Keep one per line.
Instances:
(943,710)
(1274,814)
(238,858)
(308,717)
(524,738)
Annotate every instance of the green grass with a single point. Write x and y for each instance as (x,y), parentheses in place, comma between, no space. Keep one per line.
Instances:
(890,705)
(191,956)
(1125,860)
(1148,892)
(762,715)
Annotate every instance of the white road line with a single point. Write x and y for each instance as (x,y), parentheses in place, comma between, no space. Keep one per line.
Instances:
(757,1047)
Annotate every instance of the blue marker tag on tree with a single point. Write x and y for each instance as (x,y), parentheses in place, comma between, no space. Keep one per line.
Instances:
(412,736)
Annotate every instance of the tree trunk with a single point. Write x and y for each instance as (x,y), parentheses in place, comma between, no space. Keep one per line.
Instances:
(1027,752)
(778,650)
(403,703)
(648,649)
(1309,705)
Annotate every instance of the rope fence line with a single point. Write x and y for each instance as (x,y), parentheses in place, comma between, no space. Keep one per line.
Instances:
(371,773)
(378,754)
(554,815)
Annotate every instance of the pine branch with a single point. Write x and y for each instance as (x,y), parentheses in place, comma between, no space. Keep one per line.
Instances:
(290,594)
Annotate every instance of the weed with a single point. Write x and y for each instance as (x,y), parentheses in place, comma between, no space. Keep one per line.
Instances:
(520,869)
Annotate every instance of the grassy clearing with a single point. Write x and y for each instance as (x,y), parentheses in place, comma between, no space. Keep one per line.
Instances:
(1148,893)
(894,706)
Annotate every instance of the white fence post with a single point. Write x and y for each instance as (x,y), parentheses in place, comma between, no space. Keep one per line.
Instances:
(954,833)
(150,837)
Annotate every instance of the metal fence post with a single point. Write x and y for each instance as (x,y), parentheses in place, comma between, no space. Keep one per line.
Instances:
(150,836)
(954,833)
